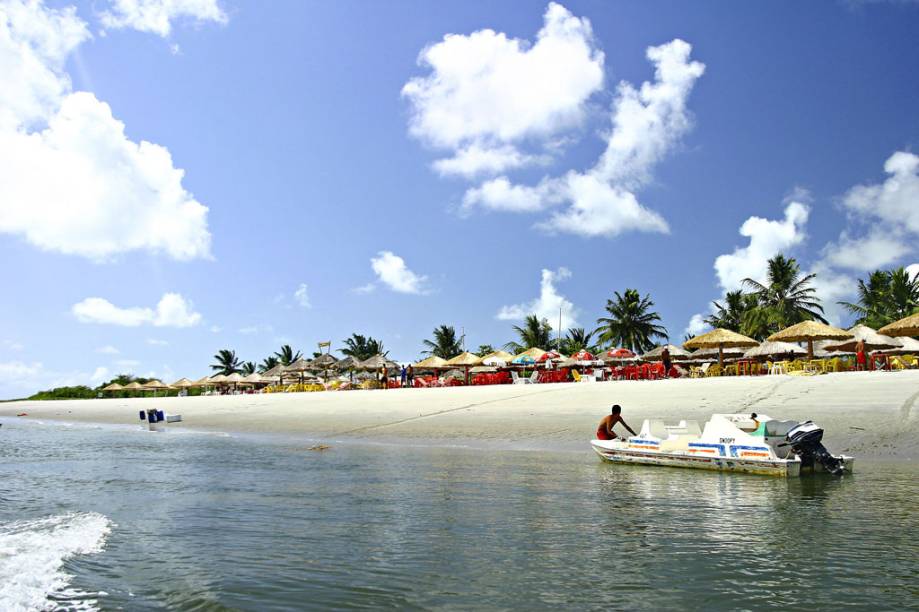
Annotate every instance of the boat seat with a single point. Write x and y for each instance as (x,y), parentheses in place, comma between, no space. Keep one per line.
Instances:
(779,428)
(655,428)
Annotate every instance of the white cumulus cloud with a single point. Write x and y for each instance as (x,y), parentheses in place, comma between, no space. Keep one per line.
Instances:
(70,179)
(301,295)
(157,16)
(696,325)
(913,270)
(486,93)
(895,200)
(547,304)
(108,350)
(767,238)
(646,123)
(173,310)
(392,272)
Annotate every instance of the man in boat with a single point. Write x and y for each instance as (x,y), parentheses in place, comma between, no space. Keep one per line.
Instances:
(605,428)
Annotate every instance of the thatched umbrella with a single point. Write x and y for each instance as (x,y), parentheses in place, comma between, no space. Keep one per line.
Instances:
(808,331)
(203,381)
(534,352)
(299,367)
(182,383)
(907,326)
(323,363)
(771,349)
(348,363)
(871,340)
(720,339)
(497,358)
(431,363)
(465,360)
(907,346)
(711,354)
(133,386)
(373,363)
(154,385)
(113,387)
(676,353)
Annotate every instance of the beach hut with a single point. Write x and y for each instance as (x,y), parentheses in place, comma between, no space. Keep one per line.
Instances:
(676,353)
(872,340)
(464,360)
(720,339)
(907,326)
(808,331)
(773,349)
(497,358)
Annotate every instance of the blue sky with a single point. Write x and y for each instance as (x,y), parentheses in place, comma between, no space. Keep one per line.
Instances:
(297,171)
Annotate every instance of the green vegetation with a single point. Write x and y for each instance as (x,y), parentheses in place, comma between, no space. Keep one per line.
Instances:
(534,333)
(631,323)
(227,362)
(360,347)
(445,343)
(577,339)
(886,297)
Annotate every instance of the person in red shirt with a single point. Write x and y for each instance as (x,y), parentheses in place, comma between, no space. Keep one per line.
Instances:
(605,429)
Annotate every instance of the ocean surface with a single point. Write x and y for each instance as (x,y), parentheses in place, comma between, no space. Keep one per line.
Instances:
(113,518)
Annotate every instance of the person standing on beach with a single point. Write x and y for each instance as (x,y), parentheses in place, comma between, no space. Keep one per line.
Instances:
(410,374)
(605,428)
(861,361)
(665,359)
(384,377)
(403,375)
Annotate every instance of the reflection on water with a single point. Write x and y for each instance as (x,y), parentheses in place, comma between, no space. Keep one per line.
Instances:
(203,522)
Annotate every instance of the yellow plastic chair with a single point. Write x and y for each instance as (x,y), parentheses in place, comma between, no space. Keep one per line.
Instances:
(713,370)
(910,361)
(576,375)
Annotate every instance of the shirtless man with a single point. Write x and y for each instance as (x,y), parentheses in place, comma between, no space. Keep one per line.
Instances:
(605,428)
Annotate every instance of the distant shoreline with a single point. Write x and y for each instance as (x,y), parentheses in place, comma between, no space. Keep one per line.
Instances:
(867,414)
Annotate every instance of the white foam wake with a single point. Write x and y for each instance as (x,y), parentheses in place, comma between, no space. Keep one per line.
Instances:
(32,555)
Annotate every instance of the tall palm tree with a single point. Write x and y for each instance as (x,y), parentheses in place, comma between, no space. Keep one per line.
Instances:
(248,368)
(227,362)
(445,343)
(885,297)
(361,347)
(267,364)
(786,297)
(534,333)
(577,339)
(631,323)
(287,355)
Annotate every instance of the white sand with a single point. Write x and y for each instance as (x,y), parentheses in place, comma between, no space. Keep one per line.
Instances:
(868,414)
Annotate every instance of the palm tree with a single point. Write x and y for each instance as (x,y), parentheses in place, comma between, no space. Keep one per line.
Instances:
(287,356)
(445,343)
(267,364)
(248,368)
(885,297)
(630,323)
(484,349)
(227,362)
(785,299)
(533,334)
(361,347)
(733,313)
(577,339)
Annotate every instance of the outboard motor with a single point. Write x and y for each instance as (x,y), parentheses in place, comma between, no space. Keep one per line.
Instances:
(805,440)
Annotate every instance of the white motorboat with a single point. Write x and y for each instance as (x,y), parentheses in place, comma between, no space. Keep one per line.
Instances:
(756,444)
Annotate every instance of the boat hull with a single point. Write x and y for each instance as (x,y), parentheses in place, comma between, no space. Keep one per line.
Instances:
(613,453)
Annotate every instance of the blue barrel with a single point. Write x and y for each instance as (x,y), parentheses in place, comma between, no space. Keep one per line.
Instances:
(143,415)
(160,416)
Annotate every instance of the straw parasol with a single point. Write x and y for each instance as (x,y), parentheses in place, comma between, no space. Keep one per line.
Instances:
(217,379)
(431,363)
(676,353)
(872,340)
(348,363)
(497,358)
(113,387)
(133,386)
(711,354)
(183,383)
(465,360)
(720,339)
(298,367)
(907,346)
(769,349)
(907,326)
(534,352)
(808,331)
(252,379)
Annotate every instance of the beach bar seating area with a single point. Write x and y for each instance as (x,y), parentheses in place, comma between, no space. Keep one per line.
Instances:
(806,349)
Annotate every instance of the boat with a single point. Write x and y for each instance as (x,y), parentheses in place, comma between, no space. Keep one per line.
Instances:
(756,444)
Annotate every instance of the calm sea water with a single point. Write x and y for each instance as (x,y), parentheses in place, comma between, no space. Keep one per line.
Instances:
(117,518)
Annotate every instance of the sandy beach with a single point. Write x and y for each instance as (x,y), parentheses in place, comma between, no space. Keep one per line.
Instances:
(871,414)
